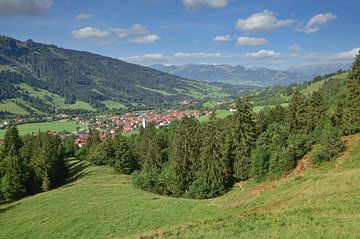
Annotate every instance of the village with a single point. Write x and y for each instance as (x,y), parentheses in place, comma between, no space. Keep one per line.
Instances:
(109,125)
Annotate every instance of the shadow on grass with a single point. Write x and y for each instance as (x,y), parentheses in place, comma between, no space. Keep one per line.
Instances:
(76,170)
(4,209)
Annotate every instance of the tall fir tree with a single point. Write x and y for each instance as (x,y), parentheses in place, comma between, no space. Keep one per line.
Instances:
(12,140)
(211,179)
(349,108)
(244,138)
(184,155)
(297,113)
(123,160)
(316,108)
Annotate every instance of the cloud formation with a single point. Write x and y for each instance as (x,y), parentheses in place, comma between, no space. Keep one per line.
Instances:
(83,16)
(91,33)
(145,39)
(261,21)
(25,7)
(316,21)
(294,47)
(150,57)
(136,29)
(263,54)
(196,4)
(250,41)
(224,38)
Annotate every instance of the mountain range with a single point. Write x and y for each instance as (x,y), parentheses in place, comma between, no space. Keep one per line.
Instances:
(40,78)
(240,75)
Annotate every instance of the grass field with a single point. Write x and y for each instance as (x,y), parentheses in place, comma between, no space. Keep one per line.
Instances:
(321,202)
(44,126)
(12,107)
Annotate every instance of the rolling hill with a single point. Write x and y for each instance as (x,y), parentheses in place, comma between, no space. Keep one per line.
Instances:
(238,75)
(99,203)
(36,78)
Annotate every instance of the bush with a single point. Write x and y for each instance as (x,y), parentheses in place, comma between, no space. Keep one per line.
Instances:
(319,154)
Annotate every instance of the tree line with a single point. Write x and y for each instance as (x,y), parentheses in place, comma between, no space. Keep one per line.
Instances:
(204,160)
(32,164)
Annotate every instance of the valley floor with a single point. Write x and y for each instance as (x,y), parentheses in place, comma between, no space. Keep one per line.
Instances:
(322,202)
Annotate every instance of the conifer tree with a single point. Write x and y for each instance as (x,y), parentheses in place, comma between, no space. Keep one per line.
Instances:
(316,108)
(123,160)
(244,135)
(13,181)
(13,142)
(152,161)
(184,155)
(211,179)
(297,113)
(350,107)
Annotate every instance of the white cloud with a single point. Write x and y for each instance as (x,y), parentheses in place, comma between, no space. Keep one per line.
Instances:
(25,7)
(136,29)
(195,4)
(250,41)
(263,54)
(83,16)
(224,38)
(198,55)
(91,33)
(261,21)
(316,56)
(150,57)
(315,22)
(145,39)
(294,47)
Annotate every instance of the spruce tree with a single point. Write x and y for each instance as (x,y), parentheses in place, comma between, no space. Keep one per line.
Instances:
(244,135)
(350,106)
(316,108)
(297,113)
(211,179)
(12,140)
(14,176)
(123,160)
(184,155)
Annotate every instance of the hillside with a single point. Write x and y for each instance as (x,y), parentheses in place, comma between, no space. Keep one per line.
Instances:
(238,75)
(98,203)
(37,78)
(331,85)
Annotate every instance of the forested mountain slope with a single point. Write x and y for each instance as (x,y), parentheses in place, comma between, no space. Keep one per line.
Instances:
(37,78)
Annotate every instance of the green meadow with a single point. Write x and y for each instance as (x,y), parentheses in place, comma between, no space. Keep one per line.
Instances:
(321,202)
(62,125)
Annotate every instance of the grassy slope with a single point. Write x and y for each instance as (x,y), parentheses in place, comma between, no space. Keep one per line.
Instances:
(321,202)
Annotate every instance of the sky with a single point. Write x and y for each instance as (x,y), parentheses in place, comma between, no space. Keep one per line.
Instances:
(276,34)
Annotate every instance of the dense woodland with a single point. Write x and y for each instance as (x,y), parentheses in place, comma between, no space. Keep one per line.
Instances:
(193,160)
(92,78)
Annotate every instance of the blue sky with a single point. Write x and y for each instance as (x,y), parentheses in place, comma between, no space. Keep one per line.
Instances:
(275,34)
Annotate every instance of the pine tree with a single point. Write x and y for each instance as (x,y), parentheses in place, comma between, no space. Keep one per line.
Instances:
(350,107)
(13,142)
(316,108)
(297,113)
(244,135)
(14,176)
(123,160)
(211,179)
(184,155)
(152,158)
(93,137)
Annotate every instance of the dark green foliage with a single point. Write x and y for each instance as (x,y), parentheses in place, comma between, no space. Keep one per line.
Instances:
(123,160)
(348,112)
(244,138)
(297,113)
(184,154)
(316,108)
(93,137)
(13,142)
(70,148)
(47,161)
(101,153)
(211,178)
(14,175)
